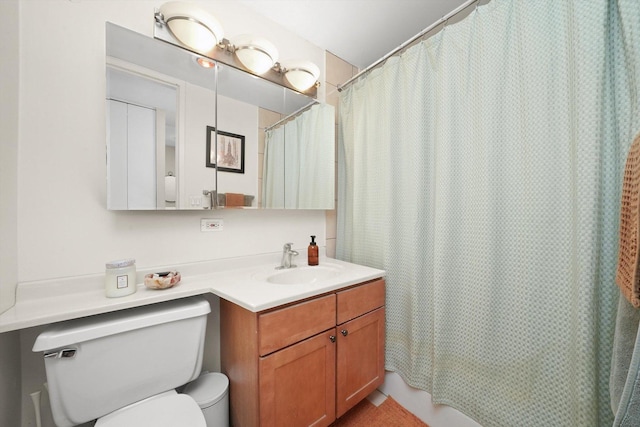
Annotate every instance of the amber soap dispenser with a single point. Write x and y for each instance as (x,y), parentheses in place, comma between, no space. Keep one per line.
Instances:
(312,252)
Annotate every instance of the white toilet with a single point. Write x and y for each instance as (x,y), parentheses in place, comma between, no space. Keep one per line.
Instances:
(121,368)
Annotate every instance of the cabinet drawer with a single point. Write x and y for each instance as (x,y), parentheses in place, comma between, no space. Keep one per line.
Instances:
(362,299)
(280,328)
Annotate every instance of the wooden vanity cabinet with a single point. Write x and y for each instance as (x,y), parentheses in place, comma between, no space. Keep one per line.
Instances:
(305,363)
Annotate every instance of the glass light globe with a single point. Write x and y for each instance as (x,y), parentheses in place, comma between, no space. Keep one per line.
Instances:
(194,27)
(255,53)
(302,74)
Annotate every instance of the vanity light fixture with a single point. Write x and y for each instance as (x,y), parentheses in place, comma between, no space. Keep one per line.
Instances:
(193,26)
(256,53)
(301,74)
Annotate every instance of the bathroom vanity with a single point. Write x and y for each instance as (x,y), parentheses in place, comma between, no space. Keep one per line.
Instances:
(304,363)
(303,344)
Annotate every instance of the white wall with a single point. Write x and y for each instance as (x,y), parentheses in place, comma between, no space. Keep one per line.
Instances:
(241,119)
(200,109)
(9,125)
(10,385)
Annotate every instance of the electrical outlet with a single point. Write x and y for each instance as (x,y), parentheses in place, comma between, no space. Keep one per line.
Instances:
(211,224)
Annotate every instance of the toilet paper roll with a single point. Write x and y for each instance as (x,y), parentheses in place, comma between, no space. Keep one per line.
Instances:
(170,188)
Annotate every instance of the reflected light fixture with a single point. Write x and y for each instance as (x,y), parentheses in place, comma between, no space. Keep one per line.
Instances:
(205,62)
(301,74)
(256,53)
(193,26)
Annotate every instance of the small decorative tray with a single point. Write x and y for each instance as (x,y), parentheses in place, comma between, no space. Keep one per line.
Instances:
(163,280)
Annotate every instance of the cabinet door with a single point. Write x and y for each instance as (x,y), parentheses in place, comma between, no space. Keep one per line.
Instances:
(360,360)
(297,384)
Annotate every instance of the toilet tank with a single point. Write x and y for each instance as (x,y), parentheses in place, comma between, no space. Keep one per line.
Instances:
(101,363)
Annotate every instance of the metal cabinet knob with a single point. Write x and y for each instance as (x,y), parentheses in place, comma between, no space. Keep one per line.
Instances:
(344,332)
(332,338)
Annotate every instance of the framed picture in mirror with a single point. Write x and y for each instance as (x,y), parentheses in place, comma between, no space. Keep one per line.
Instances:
(230,155)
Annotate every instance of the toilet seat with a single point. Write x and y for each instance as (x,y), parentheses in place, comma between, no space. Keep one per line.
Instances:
(168,409)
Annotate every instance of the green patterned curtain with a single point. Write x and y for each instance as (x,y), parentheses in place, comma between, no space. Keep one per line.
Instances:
(273,184)
(482,169)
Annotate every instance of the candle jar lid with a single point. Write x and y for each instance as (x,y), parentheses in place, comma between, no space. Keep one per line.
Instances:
(121,263)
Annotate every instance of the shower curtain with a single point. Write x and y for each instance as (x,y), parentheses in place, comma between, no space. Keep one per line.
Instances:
(273,169)
(297,161)
(308,161)
(481,168)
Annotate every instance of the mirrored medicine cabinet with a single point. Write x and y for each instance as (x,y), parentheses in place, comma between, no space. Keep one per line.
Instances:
(166,114)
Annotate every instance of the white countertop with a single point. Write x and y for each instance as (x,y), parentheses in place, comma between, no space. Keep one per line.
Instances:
(239,280)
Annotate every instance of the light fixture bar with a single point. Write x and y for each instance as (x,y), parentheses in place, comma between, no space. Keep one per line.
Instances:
(224,54)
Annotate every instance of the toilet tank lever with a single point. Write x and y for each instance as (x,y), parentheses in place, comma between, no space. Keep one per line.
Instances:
(60,354)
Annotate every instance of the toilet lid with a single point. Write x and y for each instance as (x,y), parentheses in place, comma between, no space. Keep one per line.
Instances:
(164,410)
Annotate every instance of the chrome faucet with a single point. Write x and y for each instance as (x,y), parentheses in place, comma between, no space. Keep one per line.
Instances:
(287,254)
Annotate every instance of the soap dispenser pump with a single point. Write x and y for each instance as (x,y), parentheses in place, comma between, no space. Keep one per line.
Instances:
(312,252)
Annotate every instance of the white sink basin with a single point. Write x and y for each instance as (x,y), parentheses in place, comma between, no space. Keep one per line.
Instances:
(304,275)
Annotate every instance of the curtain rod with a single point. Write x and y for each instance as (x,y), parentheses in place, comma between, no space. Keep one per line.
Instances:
(298,111)
(445,18)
